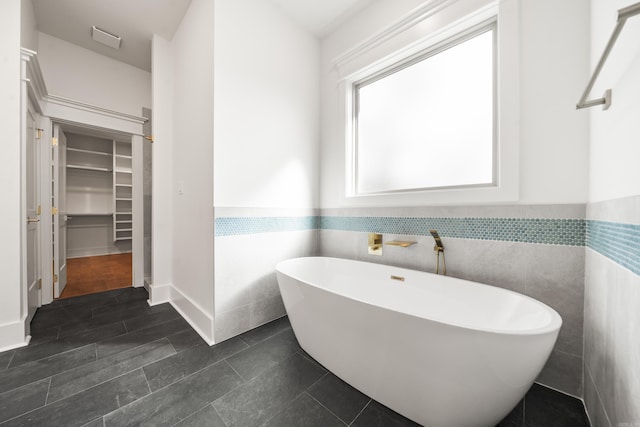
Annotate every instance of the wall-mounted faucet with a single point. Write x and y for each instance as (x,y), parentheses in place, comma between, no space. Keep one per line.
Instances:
(438,249)
(375,244)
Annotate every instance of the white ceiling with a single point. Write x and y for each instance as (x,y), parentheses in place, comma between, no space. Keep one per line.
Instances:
(134,20)
(137,20)
(320,17)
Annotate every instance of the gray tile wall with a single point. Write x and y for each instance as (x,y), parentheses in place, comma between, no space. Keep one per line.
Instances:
(247,295)
(612,327)
(246,289)
(553,274)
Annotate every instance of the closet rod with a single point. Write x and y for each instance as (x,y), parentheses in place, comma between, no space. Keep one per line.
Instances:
(605,101)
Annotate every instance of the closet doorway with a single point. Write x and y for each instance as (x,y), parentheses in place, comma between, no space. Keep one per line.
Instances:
(93,197)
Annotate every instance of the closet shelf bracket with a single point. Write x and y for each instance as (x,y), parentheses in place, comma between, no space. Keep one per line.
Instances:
(605,101)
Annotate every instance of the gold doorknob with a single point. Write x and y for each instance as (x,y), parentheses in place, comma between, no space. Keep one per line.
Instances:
(31,220)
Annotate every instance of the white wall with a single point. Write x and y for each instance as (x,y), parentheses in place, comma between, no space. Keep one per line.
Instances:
(192,52)
(10,215)
(554,152)
(266,108)
(615,133)
(266,133)
(162,179)
(553,136)
(612,290)
(183,169)
(28,27)
(80,74)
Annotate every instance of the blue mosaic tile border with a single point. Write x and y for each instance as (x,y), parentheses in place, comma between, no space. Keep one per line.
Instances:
(618,242)
(232,226)
(569,232)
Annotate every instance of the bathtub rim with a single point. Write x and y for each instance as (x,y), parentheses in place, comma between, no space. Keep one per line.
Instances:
(553,326)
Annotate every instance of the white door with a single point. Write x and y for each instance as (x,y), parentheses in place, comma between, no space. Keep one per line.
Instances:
(33,214)
(59,211)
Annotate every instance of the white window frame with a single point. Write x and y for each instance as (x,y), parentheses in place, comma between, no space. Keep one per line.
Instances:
(357,67)
(431,51)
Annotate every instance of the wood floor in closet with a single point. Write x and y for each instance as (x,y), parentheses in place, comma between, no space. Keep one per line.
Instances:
(89,275)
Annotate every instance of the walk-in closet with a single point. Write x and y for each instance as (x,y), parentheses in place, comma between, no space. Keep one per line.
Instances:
(95,192)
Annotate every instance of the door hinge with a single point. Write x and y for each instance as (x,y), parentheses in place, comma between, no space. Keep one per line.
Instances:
(39,210)
(54,211)
(54,141)
(55,278)
(39,133)
(39,283)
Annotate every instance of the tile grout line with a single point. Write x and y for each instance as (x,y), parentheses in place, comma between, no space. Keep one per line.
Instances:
(360,413)
(600,401)
(193,413)
(138,346)
(329,410)
(46,399)
(230,391)
(47,357)
(234,370)
(146,380)
(194,373)
(264,339)
(11,360)
(218,413)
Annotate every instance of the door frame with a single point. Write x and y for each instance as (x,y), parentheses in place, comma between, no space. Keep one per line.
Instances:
(32,209)
(92,119)
(59,219)
(137,244)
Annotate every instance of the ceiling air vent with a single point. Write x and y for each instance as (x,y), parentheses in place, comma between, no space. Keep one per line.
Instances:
(105,38)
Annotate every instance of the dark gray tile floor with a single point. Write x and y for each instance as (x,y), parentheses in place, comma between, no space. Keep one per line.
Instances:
(111,360)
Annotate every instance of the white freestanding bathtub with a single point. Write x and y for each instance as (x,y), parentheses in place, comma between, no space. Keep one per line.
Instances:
(441,351)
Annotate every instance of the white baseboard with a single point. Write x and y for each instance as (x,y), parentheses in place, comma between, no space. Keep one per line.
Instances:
(196,316)
(159,294)
(12,335)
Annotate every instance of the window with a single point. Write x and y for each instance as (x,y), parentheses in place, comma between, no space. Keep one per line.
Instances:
(428,122)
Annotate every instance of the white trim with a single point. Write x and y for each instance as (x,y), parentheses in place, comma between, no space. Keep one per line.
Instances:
(79,105)
(12,335)
(455,21)
(46,224)
(478,17)
(196,316)
(62,109)
(159,294)
(24,286)
(35,80)
(417,15)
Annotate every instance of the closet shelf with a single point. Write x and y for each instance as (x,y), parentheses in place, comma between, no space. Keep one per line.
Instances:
(124,199)
(80,150)
(89,214)
(89,168)
(122,238)
(124,185)
(123,171)
(122,156)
